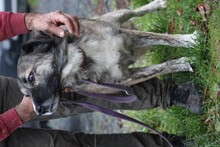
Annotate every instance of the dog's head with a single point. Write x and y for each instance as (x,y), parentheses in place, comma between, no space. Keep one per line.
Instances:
(39,71)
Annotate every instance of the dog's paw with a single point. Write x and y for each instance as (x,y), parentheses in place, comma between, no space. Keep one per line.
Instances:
(183,60)
(182,63)
(185,63)
(189,40)
(194,37)
(160,3)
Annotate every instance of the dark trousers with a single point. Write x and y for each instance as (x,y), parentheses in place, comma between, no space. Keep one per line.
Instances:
(151,93)
(26,137)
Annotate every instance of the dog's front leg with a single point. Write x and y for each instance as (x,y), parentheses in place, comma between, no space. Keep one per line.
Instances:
(153,6)
(145,73)
(120,16)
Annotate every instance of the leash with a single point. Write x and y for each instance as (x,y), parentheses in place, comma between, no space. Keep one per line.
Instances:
(120,99)
(113,98)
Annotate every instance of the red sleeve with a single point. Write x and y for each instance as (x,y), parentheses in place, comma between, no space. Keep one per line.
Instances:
(9,121)
(11,24)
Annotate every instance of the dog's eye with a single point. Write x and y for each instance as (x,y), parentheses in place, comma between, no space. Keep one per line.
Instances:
(31,77)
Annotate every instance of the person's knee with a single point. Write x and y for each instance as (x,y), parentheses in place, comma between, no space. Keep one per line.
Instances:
(10,94)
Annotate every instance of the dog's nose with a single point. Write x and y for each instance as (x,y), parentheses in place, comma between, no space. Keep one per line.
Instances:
(40,110)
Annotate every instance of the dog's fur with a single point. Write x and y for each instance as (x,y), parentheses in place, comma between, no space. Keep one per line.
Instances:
(102,53)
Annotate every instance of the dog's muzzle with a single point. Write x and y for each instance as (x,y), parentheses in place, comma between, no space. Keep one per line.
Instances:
(46,97)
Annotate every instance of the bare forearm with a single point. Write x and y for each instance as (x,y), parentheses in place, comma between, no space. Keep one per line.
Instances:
(30,20)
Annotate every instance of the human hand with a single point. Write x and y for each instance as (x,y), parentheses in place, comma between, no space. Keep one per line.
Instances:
(50,22)
(25,109)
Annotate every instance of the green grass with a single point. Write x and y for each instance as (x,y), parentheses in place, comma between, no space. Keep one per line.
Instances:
(203,129)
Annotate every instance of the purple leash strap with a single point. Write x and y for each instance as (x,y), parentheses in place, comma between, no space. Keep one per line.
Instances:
(120,99)
(101,109)
(113,98)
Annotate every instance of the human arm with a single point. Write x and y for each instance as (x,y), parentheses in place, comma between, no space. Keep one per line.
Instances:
(50,22)
(12,24)
(15,117)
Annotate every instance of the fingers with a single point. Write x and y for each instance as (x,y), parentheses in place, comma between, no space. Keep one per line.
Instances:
(50,22)
(71,22)
(56,30)
(76,25)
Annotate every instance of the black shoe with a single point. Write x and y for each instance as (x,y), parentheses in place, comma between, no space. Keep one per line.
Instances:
(181,141)
(187,95)
(177,141)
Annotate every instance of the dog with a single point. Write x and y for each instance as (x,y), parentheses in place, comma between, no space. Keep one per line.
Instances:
(101,53)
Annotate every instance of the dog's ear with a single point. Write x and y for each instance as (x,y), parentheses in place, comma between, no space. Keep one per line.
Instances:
(40,44)
(37,46)
(41,35)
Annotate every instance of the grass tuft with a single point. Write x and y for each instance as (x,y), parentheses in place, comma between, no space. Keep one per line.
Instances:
(203,129)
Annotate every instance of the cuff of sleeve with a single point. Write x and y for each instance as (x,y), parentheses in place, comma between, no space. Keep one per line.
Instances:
(11,120)
(18,23)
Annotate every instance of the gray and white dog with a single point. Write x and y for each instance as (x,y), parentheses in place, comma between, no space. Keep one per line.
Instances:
(102,53)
